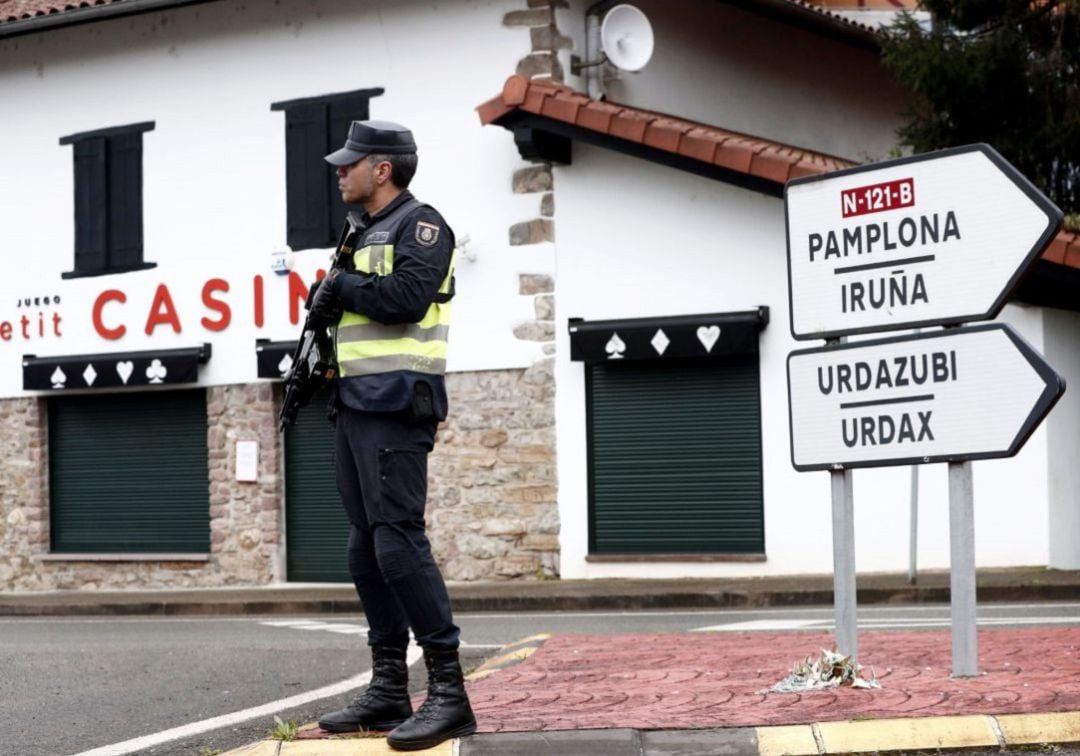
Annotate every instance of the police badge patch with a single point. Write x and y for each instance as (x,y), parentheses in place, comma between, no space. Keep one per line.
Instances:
(426,233)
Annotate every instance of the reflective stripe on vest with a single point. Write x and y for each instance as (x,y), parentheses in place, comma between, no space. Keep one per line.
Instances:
(365,347)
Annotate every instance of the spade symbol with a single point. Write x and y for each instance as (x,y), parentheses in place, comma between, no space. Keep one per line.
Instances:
(285,365)
(58,378)
(615,347)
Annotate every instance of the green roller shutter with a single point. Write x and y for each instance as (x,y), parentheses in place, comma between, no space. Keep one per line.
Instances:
(128,473)
(316,529)
(675,457)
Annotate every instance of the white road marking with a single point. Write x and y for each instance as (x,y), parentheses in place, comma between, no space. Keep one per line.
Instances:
(226,720)
(291,623)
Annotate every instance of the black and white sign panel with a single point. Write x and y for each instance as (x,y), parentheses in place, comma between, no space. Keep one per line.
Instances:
(971,393)
(932,239)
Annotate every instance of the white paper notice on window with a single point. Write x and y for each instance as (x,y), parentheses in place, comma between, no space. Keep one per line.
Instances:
(247,461)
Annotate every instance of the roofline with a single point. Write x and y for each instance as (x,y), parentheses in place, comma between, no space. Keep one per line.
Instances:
(819,21)
(77,16)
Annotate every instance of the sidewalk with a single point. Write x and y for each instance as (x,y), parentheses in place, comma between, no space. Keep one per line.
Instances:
(704,693)
(699,693)
(1020,584)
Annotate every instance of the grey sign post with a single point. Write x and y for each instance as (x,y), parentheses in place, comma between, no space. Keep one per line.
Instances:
(938,239)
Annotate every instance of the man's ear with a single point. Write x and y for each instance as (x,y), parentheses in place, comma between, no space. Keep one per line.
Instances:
(385,171)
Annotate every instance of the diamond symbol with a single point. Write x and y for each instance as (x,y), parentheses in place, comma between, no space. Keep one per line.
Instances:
(89,375)
(660,341)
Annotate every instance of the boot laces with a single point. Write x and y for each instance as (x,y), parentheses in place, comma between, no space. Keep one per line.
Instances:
(429,709)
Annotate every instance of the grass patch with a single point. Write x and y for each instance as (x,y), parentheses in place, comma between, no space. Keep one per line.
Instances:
(283,730)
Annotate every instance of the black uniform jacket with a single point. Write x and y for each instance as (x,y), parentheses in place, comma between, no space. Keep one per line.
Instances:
(401,297)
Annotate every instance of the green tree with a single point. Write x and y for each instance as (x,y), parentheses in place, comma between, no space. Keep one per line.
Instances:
(1005,72)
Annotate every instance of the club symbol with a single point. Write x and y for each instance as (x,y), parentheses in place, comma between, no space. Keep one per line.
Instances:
(615,347)
(124,369)
(58,378)
(708,336)
(285,365)
(156,372)
(89,375)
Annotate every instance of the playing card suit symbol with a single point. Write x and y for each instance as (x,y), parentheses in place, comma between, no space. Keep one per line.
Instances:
(708,335)
(615,347)
(124,369)
(58,378)
(156,372)
(285,365)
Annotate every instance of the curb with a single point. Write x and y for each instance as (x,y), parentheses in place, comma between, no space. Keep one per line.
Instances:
(15,605)
(959,732)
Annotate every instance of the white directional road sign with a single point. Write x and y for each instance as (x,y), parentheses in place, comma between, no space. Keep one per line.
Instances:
(935,239)
(947,396)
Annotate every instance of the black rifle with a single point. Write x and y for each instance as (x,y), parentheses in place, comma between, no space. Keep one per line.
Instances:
(313,363)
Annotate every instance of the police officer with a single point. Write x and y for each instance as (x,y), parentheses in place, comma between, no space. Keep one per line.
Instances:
(391,342)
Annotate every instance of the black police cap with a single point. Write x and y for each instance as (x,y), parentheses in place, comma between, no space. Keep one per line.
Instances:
(373,138)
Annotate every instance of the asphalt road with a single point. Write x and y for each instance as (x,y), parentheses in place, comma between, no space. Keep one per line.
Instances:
(73,686)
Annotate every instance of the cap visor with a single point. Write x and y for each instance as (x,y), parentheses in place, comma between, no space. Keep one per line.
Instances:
(344,156)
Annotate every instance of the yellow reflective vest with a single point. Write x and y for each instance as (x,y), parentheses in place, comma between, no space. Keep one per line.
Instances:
(366,347)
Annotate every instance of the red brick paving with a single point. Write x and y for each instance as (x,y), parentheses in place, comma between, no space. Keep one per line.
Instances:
(692,680)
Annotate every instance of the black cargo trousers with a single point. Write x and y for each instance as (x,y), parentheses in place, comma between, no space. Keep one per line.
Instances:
(382,477)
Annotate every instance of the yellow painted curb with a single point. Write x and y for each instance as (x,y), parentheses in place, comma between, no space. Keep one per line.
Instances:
(1020,729)
(355,747)
(510,654)
(786,740)
(907,734)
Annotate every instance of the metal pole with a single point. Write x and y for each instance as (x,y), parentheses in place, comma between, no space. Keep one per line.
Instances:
(843,523)
(962,570)
(913,540)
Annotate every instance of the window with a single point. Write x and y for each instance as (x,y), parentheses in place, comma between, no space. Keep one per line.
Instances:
(315,127)
(673,421)
(675,457)
(129,473)
(108,200)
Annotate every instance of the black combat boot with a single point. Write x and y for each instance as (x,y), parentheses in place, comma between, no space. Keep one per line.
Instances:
(444,714)
(385,704)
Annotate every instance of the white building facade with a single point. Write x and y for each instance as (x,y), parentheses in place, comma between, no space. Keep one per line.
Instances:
(165,209)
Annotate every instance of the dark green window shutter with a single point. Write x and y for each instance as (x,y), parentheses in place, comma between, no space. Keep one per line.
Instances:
(125,201)
(307,189)
(675,457)
(315,127)
(108,200)
(91,193)
(129,473)
(316,529)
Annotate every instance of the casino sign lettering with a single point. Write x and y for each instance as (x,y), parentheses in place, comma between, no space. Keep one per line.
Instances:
(935,239)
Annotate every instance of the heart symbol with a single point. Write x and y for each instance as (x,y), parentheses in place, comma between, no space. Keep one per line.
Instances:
(124,370)
(708,335)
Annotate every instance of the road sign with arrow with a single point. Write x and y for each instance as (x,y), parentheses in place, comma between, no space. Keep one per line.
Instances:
(947,396)
(934,239)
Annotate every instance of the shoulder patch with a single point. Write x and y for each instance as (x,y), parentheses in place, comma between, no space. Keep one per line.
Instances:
(426,233)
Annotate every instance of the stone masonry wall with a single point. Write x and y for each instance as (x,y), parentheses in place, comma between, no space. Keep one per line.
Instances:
(244,517)
(24,519)
(492,511)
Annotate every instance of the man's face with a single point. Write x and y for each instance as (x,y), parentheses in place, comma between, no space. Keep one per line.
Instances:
(356,181)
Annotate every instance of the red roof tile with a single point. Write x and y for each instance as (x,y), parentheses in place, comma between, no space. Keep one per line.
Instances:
(743,153)
(18,10)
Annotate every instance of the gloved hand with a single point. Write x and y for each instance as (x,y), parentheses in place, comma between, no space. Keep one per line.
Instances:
(322,301)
